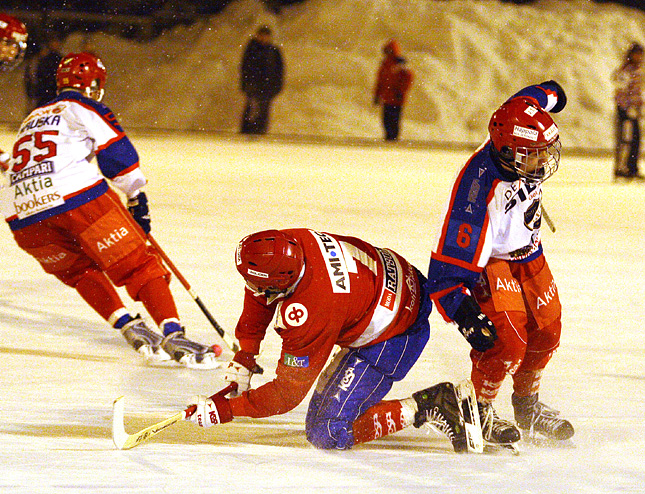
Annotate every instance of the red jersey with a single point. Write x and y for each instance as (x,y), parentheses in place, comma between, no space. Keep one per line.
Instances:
(351,294)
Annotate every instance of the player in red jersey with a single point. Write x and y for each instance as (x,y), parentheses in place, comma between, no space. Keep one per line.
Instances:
(324,290)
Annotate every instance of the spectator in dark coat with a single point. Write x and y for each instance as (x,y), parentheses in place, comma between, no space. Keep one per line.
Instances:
(45,83)
(30,80)
(262,73)
(392,85)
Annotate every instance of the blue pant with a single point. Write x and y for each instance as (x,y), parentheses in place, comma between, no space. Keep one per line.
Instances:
(358,378)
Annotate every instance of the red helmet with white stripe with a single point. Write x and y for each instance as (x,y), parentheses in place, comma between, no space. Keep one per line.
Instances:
(82,71)
(13,42)
(526,139)
(270,262)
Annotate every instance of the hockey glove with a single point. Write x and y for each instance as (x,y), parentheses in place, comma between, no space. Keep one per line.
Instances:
(138,207)
(210,411)
(240,370)
(473,324)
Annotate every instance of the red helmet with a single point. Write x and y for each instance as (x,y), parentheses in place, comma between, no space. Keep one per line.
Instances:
(526,139)
(13,42)
(82,71)
(270,261)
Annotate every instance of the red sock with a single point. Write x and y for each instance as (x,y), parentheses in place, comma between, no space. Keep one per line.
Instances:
(99,293)
(158,301)
(384,418)
(527,383)
(486,387)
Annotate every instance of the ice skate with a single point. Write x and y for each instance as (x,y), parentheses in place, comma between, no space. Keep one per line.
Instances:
(498,433)
(189,353)
(144,340)
(536,418)
(438,408)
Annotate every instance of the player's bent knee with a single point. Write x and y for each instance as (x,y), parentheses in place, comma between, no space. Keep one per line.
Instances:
(330,434)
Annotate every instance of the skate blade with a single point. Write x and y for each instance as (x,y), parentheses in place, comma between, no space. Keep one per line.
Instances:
(153,354)
(497,448)
(540,441)
(207,361)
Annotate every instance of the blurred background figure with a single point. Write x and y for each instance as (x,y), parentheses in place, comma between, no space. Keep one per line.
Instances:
(262,74)
(13,45)
(13,42)
(88,47)
(393,82)
(628,80)
(34,54)
(45,76)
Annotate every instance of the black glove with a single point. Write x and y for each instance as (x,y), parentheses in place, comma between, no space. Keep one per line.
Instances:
(478,330)
(138,207)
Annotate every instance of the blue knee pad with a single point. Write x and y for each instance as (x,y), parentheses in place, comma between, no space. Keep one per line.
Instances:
(361,378)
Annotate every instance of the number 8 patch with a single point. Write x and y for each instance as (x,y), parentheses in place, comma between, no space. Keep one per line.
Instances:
(296,314)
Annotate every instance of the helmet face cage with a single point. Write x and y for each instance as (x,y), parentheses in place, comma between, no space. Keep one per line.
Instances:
(94,90)
(526,139)
(84,72)
(537,164)
(13,42)
(270,292)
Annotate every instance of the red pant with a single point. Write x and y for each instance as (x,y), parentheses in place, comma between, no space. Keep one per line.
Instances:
(100,238)
(522,301)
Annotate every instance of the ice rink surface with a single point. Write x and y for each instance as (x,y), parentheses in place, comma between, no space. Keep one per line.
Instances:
(62,366)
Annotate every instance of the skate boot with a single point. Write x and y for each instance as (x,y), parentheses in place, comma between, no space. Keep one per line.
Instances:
(439,409)
(144,340)
(496,431)
(189,353)
(535,417)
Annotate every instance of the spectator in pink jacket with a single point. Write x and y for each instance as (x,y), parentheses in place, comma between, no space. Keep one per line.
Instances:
(628,82)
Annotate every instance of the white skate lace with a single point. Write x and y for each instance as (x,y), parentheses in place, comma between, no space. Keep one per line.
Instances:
(491,423)
(437,422)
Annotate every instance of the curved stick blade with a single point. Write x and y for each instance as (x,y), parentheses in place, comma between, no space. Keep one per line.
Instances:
(119,436)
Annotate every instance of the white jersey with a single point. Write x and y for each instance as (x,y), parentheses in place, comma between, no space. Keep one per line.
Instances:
(515,215)
(53,168)
(491,214)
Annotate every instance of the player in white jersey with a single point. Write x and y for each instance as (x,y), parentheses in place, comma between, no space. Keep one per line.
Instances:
(488,273)
(13,45)
(62,212)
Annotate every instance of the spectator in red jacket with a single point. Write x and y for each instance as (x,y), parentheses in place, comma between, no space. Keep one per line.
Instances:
(392,85)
